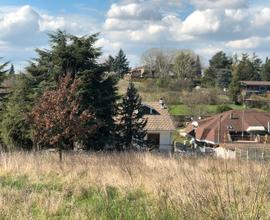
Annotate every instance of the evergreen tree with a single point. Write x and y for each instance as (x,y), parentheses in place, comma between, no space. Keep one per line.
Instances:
(109,63)
(15,128)
(121,64)
(224,78)
(99,94)
(265,74)
(132,124)
(77,57)
(247,69)
(3,71)
(209,77)
(11,70)
(219,72)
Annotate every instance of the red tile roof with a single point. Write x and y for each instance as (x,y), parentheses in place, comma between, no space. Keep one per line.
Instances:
(234,120)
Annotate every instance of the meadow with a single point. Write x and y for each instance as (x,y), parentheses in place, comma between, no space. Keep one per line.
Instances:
(131,186)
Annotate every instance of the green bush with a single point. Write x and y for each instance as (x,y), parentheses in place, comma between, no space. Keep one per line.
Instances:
(223,108)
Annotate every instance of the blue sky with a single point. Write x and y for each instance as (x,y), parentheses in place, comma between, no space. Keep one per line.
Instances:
(204,26)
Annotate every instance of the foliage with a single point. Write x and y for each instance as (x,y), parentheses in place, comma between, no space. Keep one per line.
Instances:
(15,129)
(132,124)
(11,70)
(76,57)
(99,94)
(3,71)
(57,120)
(185,66)
(223,108)
(265,74)
(121,64)
(219,72)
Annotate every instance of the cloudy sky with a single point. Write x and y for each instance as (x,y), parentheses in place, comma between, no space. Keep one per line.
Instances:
(205,26)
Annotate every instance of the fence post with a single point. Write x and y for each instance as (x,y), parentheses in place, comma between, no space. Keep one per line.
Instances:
(262,154)
(240,154)
(255,154)
(247,154)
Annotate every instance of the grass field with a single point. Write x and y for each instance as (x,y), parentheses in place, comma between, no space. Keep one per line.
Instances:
(131,186)
(210,109)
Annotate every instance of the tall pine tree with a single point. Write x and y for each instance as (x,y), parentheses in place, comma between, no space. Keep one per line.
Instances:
(121,64)
(132,123)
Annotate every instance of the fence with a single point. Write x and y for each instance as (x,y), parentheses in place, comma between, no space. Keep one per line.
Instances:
(253,153)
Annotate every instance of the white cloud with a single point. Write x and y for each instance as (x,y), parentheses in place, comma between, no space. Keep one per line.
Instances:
(206,4)
(137,25)
(249,43)
(133,11)
(200,22)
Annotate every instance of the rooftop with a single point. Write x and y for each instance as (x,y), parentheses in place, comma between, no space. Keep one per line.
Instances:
(161,121)
(231,121)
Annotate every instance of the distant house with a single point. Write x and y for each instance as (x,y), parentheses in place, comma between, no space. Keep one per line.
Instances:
(160,126)
(231,127)
(254,87)
(139,72)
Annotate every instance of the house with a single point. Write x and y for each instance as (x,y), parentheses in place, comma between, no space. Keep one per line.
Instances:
(140,72)
(254,87)
(232,127)
(160,125)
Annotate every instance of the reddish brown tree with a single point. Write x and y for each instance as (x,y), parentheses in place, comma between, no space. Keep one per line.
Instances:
(57,120)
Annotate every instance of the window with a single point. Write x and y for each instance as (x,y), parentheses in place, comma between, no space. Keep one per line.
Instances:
(153,139)
(149,111)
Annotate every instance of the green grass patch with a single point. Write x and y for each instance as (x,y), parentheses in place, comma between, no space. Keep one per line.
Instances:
(210,109)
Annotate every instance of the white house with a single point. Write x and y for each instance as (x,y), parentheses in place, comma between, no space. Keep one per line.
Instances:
(160,126)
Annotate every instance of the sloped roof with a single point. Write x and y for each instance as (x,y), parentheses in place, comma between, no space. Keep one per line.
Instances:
(233,120)
(161,121)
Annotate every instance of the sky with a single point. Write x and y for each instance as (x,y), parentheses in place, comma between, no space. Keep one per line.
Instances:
(204,26)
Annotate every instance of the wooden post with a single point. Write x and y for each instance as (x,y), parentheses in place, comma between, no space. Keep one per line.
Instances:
(240,153)
(255,154)
(262,155)
(247,154)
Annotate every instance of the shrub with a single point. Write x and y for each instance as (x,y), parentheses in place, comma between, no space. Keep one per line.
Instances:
(223,108)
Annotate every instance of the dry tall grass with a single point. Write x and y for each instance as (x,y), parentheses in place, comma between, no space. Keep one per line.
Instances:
(131,186)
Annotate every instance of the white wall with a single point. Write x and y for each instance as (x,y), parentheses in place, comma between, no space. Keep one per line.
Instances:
(165,141)
(225,153)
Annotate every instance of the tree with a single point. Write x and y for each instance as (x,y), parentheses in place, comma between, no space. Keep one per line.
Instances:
(99,93)
(109,63)
(132,123)
(14,127)
(265,74)
(76,57)
(149,61)
(57,120)
(185,66)
(3,71)
(11,70)
(198,67)
(120,64)
(224,78)
(219,72)
(245,68)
